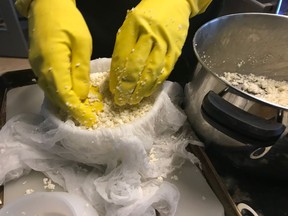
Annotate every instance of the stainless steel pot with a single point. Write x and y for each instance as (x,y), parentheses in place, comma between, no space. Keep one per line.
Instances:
(223,116)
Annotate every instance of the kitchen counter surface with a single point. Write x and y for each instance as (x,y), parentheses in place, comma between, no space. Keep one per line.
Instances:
(10,64)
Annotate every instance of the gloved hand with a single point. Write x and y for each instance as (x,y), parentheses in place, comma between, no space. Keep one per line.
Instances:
(148,45)
(60,50)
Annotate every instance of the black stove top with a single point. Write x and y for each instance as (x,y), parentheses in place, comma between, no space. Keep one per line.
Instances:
(267,195)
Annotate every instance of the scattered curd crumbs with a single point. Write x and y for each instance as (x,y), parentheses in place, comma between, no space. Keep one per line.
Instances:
(48,184)
(29,191)
(175,177)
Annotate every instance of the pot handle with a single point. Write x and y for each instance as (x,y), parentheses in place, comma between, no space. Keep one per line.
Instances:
(239,124)
(265,6)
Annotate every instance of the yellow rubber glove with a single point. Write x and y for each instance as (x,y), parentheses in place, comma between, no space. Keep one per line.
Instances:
(60,50)
(148,45)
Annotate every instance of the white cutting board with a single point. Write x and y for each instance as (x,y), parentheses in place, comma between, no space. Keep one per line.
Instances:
(196,196)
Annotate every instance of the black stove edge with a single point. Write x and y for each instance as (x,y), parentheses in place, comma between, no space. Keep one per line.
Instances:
(214,180)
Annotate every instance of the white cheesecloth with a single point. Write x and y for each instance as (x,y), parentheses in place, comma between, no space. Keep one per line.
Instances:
(121,171)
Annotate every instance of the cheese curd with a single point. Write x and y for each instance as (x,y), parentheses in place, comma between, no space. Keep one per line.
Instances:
(113,115)
(262,87)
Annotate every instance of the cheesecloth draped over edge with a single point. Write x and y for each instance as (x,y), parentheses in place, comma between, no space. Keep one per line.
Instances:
(120,170)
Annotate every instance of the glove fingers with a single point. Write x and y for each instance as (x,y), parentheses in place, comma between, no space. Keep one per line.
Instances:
(170,58)
(45,66)
(81,112)
(56,81)
(152,76)
(122,49)
(80,65)
(169,62)
(127,78)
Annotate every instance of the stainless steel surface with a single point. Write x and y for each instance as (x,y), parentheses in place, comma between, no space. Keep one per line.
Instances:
(244,43)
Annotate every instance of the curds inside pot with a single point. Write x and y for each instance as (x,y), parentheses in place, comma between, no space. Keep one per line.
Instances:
(238,124)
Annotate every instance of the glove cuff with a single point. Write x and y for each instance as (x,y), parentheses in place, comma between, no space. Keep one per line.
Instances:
(198,6)
(23,6)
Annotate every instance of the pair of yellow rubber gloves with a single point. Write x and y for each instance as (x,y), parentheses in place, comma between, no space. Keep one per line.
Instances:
(147,47)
